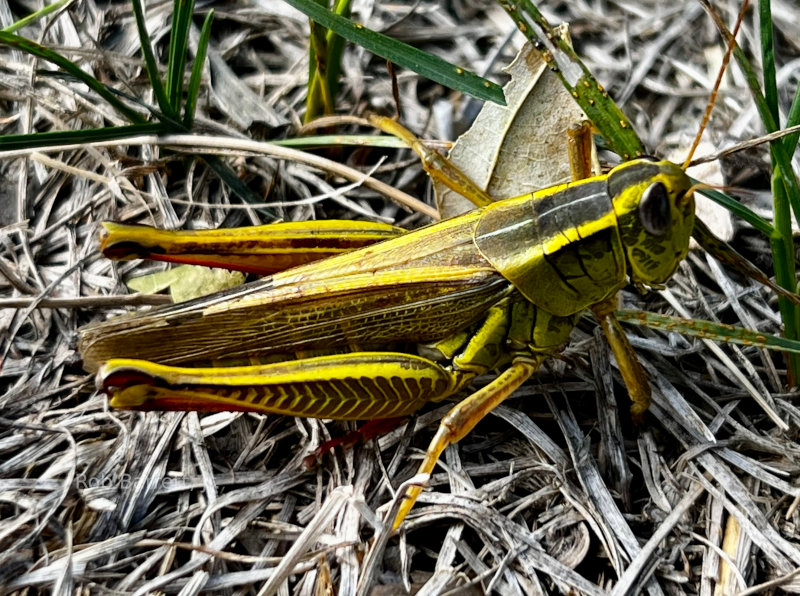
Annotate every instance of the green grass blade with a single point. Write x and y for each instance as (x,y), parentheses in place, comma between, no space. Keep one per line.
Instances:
(35,16)
(324,60)
(197,71)
(793,119)
(402,54)
(739,210)
(783,256)
(35,49)
(178,42)
(768,58)
(318,100)
(77,137)
(336,48)
(709,330)
(149,58)
(171,59)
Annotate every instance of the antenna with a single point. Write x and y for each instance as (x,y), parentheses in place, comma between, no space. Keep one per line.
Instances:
(725,60)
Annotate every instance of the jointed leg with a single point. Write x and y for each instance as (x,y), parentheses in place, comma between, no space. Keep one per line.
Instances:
(462,419)
(629,366)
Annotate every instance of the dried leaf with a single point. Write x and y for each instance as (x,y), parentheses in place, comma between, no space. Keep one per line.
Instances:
(515,149)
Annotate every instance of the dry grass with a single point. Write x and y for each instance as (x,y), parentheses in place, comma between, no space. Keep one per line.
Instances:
(552,494)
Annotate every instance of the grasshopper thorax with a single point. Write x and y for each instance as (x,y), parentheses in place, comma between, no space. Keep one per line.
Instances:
(654,206)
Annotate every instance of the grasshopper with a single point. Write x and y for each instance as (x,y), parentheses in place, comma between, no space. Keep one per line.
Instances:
(410,319)
(499,287)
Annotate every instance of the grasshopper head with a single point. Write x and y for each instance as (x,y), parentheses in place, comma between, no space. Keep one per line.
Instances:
(655,210)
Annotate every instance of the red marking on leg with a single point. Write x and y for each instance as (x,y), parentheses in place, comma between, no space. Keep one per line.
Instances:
(370,430)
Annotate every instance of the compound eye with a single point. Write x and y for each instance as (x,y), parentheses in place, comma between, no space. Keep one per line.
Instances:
(654,209)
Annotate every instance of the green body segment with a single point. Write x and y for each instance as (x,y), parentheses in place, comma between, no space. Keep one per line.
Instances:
(569,247)
(562,251)
(498,285)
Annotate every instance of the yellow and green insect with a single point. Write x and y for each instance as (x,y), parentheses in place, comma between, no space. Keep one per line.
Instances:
(497,288)
(398,320)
